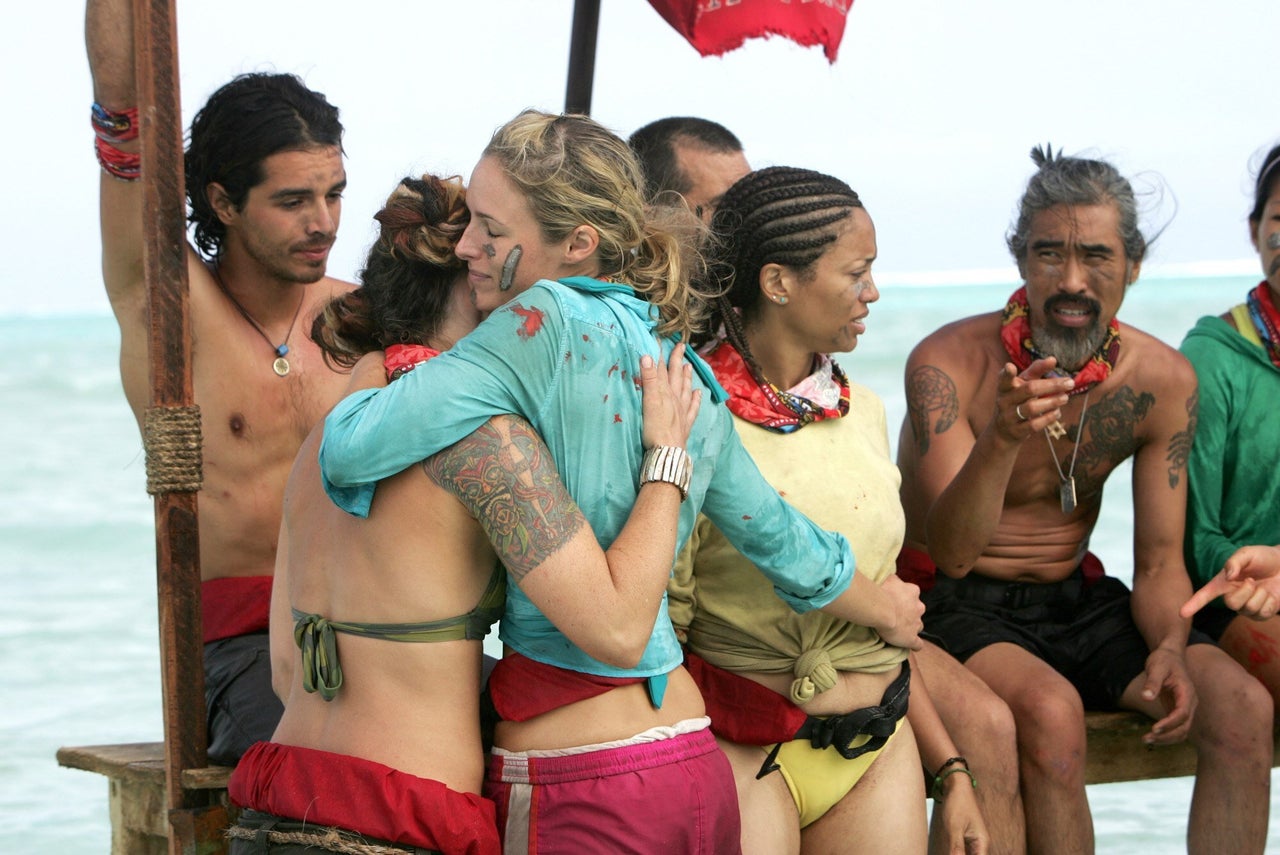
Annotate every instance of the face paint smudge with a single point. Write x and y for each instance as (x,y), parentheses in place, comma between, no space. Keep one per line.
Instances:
(509,268)
(1273,240)
(488,250)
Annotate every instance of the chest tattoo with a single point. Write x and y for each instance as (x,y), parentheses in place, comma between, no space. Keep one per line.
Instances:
(1113,423)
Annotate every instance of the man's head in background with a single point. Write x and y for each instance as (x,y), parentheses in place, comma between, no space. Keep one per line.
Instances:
(695,158)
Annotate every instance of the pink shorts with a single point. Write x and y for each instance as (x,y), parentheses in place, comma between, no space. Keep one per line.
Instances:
(675,795)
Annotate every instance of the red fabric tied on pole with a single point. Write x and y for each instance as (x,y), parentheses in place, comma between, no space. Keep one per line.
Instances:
(715,27)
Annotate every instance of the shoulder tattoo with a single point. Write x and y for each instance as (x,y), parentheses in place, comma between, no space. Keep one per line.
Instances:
(930,391)
(503,474)
(1180,445)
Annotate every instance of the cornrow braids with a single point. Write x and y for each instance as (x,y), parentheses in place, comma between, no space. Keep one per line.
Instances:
(779,215)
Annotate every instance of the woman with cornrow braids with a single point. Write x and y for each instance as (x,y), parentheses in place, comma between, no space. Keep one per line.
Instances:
(810,709)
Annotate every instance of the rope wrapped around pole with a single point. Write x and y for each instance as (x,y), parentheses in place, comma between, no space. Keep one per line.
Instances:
(173,444)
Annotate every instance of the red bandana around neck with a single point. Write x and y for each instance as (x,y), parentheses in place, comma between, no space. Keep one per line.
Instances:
(1266,319)
(758,401)
(400,359)
(1015,333)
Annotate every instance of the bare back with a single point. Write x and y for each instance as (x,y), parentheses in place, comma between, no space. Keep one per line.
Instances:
(419,556)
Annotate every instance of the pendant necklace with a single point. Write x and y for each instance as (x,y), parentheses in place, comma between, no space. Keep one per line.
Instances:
(281,365)
(1067,488)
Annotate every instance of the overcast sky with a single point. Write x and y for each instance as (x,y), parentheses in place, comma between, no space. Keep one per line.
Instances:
(929,112)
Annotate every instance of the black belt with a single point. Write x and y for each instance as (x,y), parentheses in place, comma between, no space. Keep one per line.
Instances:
(838,731)
(1011,595)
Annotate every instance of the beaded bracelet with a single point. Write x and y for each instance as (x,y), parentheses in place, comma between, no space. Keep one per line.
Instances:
(111,127)
(958,764)
(125,165)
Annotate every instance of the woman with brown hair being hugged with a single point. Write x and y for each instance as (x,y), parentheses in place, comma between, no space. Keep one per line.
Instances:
(590,755)
(810,708)
(377,623)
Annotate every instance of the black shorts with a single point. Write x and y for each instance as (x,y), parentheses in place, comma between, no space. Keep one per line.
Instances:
(1213,620)
(1084,631)
(239,701)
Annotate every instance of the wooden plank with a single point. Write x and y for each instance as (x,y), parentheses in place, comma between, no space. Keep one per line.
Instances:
(141,818)
(140,762)
(1117,752)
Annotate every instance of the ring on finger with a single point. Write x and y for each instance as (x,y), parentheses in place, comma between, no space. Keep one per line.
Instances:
(1018,411)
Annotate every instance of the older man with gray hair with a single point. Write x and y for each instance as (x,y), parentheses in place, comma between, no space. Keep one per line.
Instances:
(1015,420)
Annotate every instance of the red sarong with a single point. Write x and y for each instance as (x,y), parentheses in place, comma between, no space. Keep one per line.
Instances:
(522,688)
(915,566)
(742,710)
(365,797)
(235,605)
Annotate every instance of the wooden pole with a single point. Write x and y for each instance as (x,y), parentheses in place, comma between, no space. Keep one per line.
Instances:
(582,56)
(177,539)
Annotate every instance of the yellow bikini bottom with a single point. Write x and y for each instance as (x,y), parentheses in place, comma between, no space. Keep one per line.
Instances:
(818,778)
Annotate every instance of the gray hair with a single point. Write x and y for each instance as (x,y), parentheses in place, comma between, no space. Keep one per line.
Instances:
(1062,180)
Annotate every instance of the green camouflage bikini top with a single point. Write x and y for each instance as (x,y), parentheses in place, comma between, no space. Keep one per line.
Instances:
(315,635)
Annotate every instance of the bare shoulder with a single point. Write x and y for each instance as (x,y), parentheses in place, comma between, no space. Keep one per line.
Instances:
(330,287)
(1149,364)
(959,342)
(959,356)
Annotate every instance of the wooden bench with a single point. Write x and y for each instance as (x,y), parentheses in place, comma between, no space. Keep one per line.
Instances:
(139,826)
(136,795)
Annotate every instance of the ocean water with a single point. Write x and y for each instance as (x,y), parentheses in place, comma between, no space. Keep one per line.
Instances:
(79,663)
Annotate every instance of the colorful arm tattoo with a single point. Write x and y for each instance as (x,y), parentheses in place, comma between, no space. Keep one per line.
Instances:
(503,474)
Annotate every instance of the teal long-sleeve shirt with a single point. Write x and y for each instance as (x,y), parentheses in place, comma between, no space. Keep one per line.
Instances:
(564,356)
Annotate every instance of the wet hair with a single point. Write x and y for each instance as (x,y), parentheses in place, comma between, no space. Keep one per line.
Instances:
(779,215)
(407,282)
(572,172)
(242,124)
(1268,175)
(655,144)
(1063,180)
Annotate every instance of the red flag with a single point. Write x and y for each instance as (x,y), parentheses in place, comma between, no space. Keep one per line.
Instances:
(715,27)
